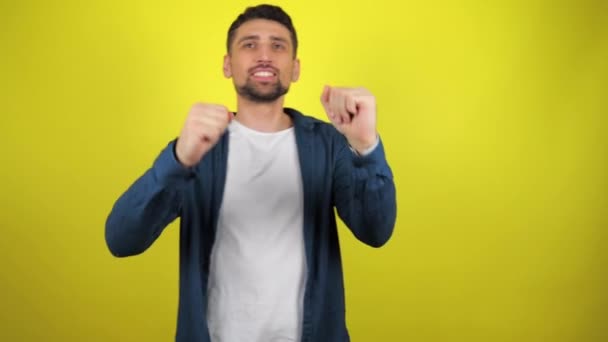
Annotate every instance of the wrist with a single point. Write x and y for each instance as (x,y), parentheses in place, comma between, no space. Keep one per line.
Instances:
(176,153)
(362,145)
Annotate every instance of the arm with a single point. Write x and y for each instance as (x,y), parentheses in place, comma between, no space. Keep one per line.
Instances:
(152,202)
(364,194)
(155,199)
(363,188)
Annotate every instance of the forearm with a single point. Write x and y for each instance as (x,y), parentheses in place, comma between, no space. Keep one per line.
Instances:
(152,202)
(366,196)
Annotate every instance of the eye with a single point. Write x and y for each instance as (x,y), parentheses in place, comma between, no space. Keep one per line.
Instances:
(278,46)
(249,45)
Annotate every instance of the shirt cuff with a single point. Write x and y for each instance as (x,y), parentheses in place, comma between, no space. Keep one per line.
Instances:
(168,169)
(368,150)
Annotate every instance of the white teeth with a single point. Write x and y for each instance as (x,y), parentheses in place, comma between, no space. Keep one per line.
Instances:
(263,73)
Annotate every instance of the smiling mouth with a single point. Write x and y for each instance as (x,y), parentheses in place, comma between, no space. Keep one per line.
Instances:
(264,77)
(263,74)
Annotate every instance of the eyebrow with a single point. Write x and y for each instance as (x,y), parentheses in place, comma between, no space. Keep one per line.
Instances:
(256,37)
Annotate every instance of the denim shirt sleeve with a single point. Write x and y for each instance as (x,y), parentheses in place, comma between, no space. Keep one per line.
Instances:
(152,202)
(364,194)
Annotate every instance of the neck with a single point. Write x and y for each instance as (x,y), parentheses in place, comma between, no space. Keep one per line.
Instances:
(263,117)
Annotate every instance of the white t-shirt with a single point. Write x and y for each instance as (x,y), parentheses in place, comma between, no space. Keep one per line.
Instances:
(258,265)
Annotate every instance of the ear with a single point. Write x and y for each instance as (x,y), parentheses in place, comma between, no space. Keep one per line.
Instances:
(295,73)
(227,68)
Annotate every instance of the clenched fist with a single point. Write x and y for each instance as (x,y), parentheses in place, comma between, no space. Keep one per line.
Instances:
(353,112)
(204,126)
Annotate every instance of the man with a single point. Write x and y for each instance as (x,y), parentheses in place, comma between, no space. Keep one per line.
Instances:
(256,191)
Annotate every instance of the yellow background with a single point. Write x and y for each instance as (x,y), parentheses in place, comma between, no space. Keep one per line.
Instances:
(494,117)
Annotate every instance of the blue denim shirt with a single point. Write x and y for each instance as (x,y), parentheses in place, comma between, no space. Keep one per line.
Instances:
(361,188)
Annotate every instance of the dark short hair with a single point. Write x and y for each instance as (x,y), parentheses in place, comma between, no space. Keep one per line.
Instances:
(268,12)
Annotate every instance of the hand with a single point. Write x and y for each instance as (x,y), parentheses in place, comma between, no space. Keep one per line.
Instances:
(204,126)
(352,111)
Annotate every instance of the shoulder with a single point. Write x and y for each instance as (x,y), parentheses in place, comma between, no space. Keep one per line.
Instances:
(323,135)
(308,122)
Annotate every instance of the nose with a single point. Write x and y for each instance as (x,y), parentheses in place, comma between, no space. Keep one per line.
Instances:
(265,54)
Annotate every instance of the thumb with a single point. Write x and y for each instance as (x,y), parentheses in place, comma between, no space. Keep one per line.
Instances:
(229,113)
(325,95)
(325,99)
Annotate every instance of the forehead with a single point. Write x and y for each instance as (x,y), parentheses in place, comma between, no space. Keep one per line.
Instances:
(262,28)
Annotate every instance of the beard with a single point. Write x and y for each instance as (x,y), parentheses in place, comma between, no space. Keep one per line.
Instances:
(252,93)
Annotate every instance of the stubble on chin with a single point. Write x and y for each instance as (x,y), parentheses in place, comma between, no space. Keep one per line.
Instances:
(250,92)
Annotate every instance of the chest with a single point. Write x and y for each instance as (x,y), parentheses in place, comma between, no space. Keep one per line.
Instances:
(262,173)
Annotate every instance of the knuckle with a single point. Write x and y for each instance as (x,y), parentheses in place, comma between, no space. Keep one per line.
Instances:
(198,106)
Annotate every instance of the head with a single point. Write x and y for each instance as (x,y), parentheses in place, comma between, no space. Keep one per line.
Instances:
(261,53)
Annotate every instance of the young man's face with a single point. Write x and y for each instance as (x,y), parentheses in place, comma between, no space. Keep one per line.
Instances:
(261,60)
